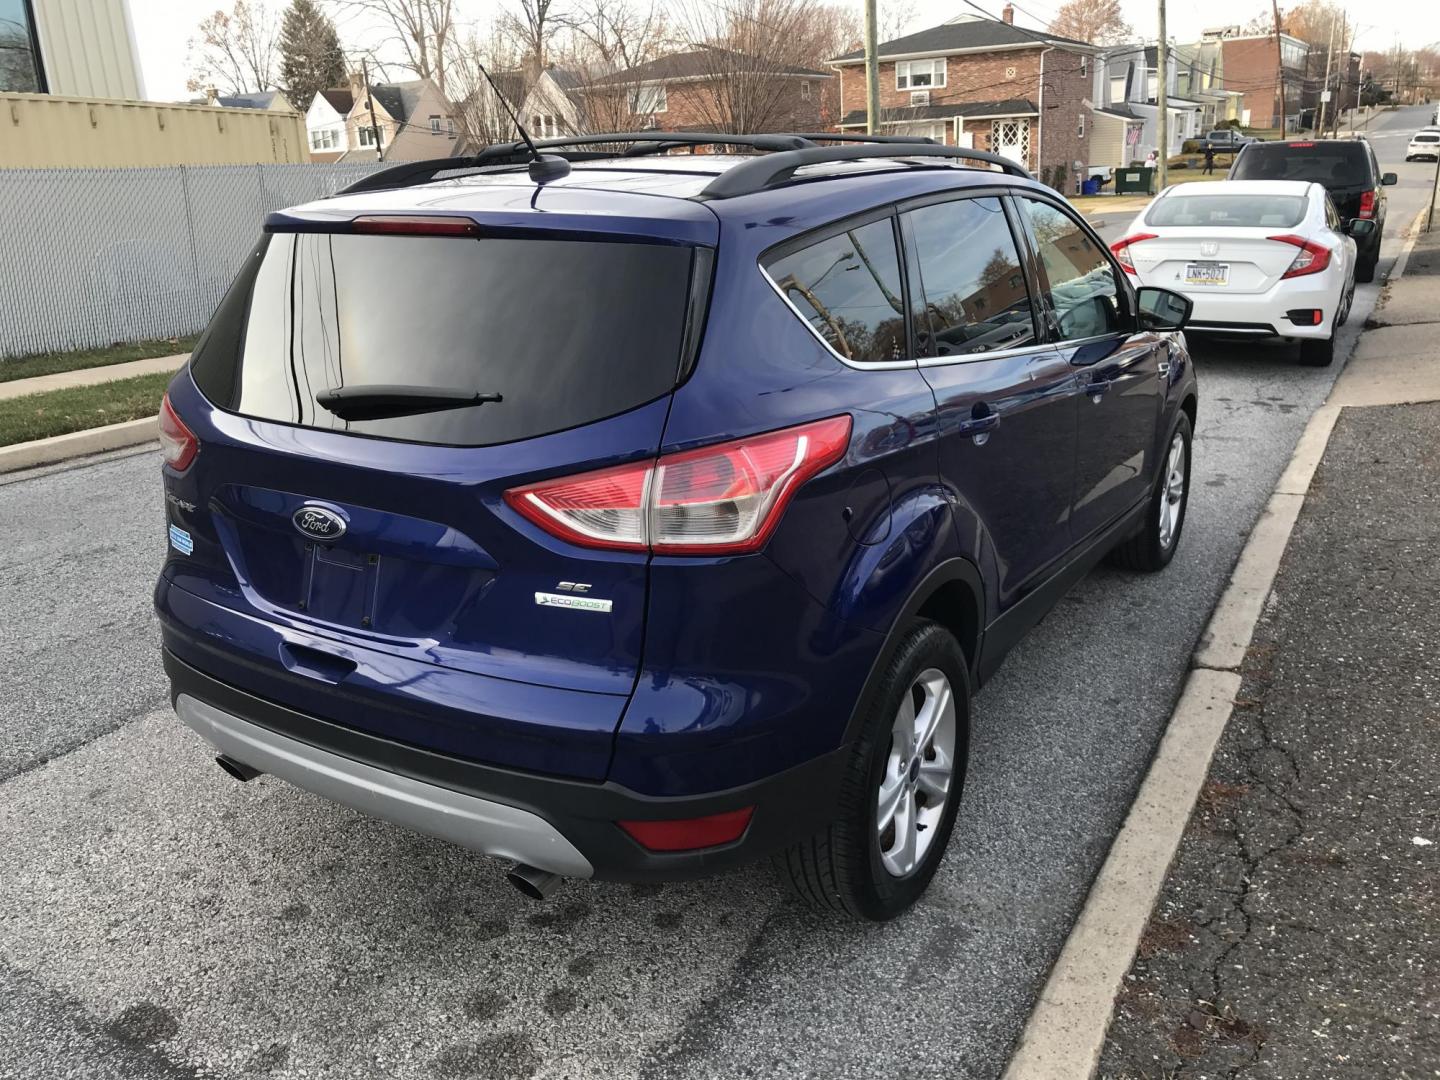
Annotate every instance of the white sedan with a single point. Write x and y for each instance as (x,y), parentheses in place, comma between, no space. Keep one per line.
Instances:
(1425,143)
(1257,257)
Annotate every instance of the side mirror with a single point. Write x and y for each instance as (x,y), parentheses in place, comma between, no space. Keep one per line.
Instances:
(1389,179)
(1360,227)
(1161,309)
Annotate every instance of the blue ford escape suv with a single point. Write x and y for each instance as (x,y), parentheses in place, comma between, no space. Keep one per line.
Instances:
(630,514)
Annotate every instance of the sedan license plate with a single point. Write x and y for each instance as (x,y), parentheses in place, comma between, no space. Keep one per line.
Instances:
(1207,273)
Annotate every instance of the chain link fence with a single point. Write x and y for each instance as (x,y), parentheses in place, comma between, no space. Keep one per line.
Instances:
(91,257)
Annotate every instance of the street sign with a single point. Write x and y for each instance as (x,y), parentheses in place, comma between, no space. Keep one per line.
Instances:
(1324,95)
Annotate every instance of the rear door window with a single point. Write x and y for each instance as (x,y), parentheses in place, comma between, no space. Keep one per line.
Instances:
(847,288)
(566,331)
(1080,283)
(976,298)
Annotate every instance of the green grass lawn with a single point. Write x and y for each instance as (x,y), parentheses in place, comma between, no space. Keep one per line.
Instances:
(27,367)
(59,412)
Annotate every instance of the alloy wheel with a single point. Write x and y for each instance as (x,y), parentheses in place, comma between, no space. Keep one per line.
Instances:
(919,773)
(1173,498)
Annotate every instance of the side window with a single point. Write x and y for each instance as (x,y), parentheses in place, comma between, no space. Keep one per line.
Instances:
(847,287)
(1332,216)
(975,296)
(1079,280)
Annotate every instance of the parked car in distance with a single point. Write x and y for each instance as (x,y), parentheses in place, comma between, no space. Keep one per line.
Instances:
(1425,143)
(635,516)
(1347,169)
(1258,257)
(1225,139)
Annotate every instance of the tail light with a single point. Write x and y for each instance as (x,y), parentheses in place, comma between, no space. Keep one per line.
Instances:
(1121,250)
(1367,204)
(688,834)
(178,445)
(718,500)
(1311,259)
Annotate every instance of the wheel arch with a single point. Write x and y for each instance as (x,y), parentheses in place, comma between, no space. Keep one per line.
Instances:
(952,595)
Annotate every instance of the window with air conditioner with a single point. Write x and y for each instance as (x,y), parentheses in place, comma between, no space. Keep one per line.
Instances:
(920,74)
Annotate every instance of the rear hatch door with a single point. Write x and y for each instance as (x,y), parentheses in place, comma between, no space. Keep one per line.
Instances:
(388,534)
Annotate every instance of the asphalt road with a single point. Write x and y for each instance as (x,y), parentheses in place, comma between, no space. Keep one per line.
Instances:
(164,921)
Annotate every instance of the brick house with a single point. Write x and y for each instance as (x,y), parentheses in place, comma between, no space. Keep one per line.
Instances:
(712,89)
(1250,66)
(990,85)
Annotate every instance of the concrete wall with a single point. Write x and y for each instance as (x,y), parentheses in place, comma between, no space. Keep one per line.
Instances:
(87,48)
(45,131)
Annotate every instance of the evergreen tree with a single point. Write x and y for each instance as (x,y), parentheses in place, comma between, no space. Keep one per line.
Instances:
(310,55)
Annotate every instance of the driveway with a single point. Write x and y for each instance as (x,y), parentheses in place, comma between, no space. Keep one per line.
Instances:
(159,920)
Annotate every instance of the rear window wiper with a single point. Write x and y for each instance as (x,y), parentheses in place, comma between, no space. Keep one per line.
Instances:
(381,402)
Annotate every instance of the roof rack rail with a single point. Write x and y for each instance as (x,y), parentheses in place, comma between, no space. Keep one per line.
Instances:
(784,153)
(773,170)
(518,153)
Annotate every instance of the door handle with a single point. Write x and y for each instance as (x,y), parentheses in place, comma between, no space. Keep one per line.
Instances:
(979,425)
(1097,387)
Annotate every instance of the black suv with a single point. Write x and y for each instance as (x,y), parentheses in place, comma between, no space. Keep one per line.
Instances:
(1346,168)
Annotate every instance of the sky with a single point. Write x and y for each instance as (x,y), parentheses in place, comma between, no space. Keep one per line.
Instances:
(164,27)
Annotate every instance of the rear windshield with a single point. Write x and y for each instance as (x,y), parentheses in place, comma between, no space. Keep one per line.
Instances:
(1343,164)
(1427,137)
(566,331)
(1237,211)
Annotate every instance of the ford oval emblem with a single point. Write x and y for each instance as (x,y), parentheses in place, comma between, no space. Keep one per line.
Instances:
(318,523)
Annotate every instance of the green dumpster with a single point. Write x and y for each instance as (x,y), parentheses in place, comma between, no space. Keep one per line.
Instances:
(1137,181)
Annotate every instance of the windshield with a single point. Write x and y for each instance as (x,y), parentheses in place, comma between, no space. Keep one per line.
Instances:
(1334,164)
(564,331)
(1230,211)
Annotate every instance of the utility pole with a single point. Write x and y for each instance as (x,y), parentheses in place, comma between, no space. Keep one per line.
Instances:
(1162,116)
(1345,46)
(370,104)
(1279,66)
(872,72)
(1325,86)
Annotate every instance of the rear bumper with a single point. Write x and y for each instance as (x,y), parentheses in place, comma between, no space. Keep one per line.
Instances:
(565,826)
(1265,313)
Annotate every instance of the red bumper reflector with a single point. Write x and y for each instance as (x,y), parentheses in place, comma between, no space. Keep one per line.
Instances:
(690,834)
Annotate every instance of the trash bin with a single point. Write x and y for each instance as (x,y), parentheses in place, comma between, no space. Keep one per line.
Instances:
(1137,181)
(1091,186)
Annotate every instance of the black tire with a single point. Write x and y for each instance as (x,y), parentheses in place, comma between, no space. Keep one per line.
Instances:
(1347,303)
(1145,551)
(838,871)
(1317,352)
(1365,269)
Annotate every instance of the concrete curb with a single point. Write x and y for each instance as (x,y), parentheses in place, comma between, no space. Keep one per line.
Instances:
(28,455)
(1065,1033)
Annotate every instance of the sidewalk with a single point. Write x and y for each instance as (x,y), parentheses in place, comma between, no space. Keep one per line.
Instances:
(1294,936)
(90,376)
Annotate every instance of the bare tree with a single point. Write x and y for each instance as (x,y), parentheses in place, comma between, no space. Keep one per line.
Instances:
(480,114)
(605,40)
(533,27)
(235,51)
(752,59)
(1097,22)
(424,31)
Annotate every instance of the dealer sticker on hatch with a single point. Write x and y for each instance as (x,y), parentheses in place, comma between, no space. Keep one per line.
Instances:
(1207,274)
(575,603)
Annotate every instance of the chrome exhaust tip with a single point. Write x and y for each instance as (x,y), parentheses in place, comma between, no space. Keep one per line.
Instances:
(536,884)
(238,769)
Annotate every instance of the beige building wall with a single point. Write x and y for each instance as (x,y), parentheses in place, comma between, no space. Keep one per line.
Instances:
(45,131)
(88,48)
